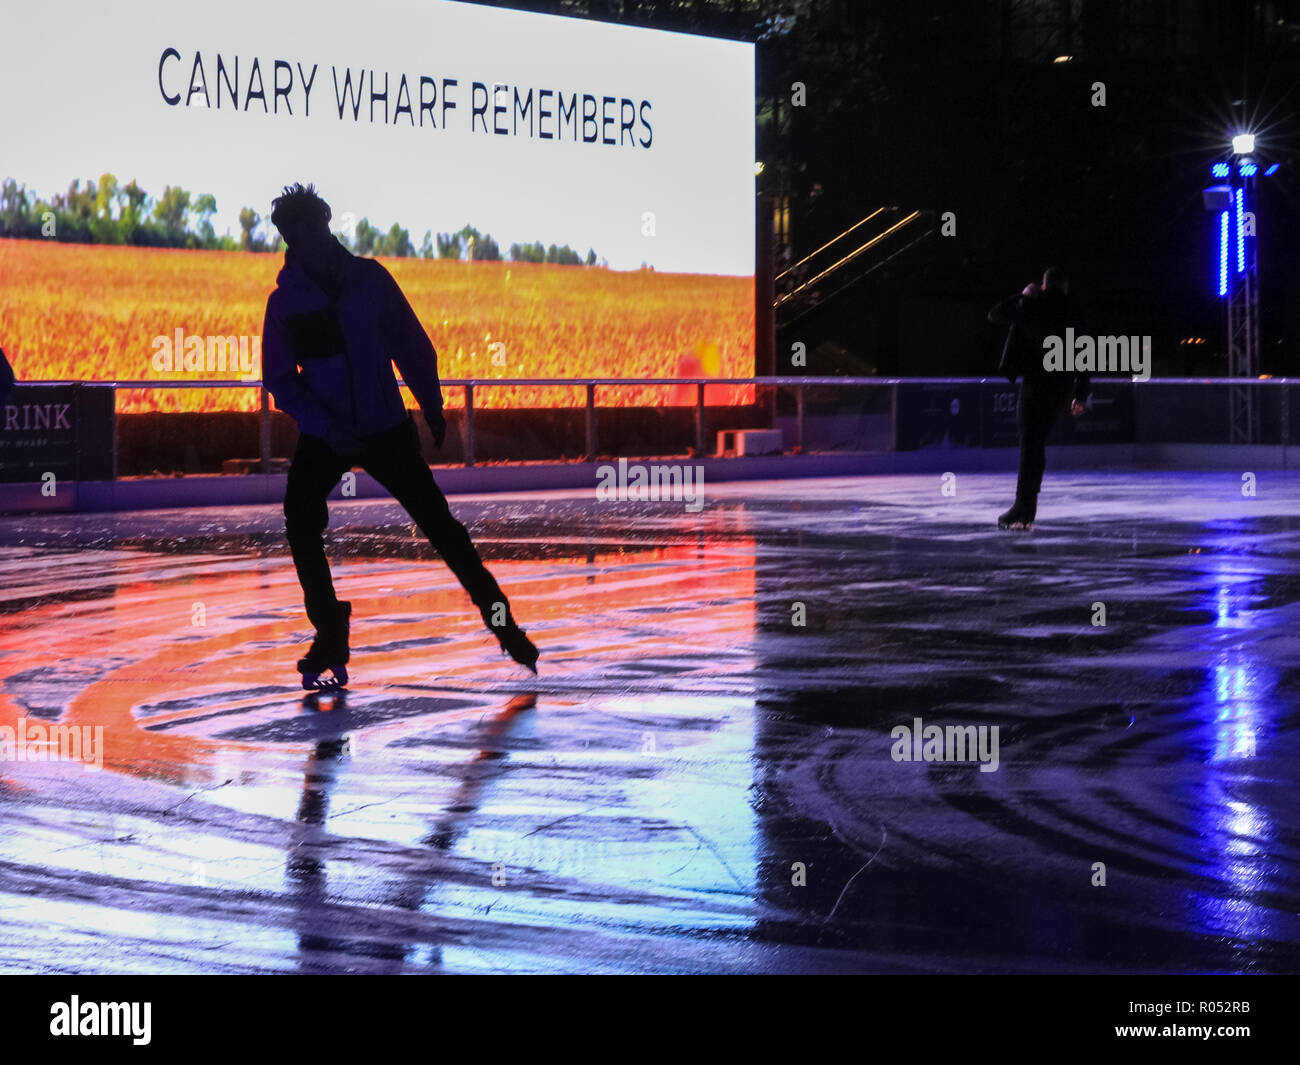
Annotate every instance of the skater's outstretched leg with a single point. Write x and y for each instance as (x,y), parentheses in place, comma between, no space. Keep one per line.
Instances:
(398,466)
(315,470)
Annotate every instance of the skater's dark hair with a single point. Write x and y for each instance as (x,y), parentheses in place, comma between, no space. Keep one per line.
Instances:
(1055,277)
(296,206)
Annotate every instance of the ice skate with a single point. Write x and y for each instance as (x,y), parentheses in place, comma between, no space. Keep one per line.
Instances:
(515,642)
(328,654)
(1016,519)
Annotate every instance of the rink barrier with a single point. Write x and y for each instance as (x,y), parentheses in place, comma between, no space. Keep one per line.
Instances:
(798,385)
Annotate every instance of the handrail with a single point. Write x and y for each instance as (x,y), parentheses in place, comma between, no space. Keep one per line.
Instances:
(787,297)
(590,384)
(839,236)
(791,380)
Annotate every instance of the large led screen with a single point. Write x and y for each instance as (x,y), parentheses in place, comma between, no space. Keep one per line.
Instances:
(557,197)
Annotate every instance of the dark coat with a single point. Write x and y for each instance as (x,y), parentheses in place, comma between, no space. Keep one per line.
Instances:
(327,358)
(1030,320)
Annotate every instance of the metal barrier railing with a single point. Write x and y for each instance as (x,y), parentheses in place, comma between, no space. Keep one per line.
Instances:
(591,384)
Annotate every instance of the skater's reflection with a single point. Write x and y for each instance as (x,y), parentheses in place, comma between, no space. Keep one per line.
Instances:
(305,869)
(328,929)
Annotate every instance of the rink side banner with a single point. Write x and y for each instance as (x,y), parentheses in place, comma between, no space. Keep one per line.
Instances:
(557,197)
(63,432)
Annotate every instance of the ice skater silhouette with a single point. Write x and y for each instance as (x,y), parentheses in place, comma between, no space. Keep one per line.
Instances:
(335,324)
(1039,311)
(6,377)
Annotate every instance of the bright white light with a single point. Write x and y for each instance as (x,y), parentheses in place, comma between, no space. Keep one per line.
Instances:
(759,167)
(1243,143)
(1062,59)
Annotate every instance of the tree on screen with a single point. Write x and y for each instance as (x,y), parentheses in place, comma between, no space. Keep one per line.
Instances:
(397,242)
(171,213)
(109,212)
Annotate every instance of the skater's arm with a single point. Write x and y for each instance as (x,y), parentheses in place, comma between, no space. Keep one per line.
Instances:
(412,350)
(282,379)
(1008,312)
(1082,381)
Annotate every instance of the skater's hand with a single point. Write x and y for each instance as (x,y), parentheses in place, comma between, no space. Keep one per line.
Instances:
(437,427)
(1077,407)
(342,439)
(1030,289)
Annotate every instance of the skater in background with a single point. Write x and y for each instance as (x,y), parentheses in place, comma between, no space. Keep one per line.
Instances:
(335,324)
(1039,311)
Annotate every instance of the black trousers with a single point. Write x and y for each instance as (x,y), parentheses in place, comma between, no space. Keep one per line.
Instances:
(393,459)
(1036,413)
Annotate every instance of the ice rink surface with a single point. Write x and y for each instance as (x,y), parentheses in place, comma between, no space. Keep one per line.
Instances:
(703,777)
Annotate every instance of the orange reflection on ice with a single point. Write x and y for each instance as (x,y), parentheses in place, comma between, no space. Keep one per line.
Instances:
(209,646)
